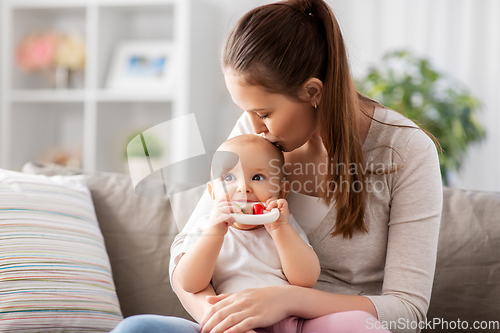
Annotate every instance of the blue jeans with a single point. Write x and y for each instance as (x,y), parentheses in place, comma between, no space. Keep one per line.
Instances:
(155,324)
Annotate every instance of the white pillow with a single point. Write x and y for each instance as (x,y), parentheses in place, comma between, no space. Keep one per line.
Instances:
(54,270)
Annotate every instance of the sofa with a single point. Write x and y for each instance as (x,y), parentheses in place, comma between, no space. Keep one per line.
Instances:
(138,232)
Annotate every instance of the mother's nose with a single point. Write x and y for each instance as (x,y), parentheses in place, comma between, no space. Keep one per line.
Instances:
(258,125)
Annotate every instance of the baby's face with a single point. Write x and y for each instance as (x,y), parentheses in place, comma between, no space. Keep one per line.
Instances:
(257,176)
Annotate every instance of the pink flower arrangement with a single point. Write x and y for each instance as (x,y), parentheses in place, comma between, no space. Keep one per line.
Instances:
(48,50)
(36,52)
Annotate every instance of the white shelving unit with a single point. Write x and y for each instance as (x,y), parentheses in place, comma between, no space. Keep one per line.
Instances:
(90,118)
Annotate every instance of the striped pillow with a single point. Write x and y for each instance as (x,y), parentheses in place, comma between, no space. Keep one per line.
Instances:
(54,270)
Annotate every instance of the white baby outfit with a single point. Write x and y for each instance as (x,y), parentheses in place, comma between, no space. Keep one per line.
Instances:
(247,259)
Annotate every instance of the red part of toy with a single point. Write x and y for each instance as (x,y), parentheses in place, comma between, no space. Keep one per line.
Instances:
(258,209)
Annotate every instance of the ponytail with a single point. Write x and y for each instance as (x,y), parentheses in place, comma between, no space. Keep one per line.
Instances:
(338,112)
(279,47)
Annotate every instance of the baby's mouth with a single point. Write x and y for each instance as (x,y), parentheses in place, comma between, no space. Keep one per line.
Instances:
(245,201)
(246,206)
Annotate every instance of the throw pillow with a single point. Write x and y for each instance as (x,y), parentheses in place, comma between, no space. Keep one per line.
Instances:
(138,233)
(54,270)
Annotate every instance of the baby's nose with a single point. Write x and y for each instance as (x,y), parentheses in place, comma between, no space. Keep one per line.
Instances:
(243,187)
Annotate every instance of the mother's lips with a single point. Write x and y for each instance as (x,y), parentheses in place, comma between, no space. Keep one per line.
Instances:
(276,143)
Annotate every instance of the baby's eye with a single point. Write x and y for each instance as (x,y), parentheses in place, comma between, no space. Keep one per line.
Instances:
(229,177)
(258,177)
(262,117)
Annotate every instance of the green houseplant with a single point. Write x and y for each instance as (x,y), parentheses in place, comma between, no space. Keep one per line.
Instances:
(435,102)
(138,146)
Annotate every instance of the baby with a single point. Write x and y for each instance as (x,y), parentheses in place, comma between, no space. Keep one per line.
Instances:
(234,256)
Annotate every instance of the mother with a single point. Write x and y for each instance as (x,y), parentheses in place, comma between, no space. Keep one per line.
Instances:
(376,226)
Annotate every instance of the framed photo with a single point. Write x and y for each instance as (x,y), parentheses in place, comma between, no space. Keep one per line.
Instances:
(142,65)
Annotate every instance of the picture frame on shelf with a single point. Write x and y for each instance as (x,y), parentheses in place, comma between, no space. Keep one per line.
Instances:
(145,65)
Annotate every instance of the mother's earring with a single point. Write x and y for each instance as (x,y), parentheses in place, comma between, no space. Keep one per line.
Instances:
(315,105)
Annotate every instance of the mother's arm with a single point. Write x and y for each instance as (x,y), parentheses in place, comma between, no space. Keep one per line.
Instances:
(265,306)
(417,198)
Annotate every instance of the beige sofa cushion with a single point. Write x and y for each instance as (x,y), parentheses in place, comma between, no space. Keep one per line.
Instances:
(138,233)
(467,280)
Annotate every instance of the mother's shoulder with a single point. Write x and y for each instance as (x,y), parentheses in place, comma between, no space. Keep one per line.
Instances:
(389,127)
(392,117)
(390,135)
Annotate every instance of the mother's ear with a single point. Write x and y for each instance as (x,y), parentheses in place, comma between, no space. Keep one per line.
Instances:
(311,91)
(285,189)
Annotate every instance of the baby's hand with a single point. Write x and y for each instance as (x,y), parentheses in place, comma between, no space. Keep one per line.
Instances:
(282,205)
(219,218)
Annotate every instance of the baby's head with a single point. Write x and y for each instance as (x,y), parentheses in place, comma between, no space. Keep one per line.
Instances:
(255,176)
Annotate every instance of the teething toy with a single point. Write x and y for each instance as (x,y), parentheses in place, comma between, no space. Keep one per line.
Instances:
(252,219)
(258,209)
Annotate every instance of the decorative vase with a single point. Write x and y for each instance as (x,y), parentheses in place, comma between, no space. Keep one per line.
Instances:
(63,78)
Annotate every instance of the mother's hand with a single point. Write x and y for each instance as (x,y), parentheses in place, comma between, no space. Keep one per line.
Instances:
(246,310)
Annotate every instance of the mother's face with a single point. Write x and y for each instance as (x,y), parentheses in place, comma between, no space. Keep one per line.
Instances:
(284,121)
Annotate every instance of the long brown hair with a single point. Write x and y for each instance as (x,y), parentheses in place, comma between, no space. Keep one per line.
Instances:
(279,47)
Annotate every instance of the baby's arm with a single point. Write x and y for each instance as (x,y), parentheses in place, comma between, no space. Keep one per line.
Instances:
(195,268)
(299,261)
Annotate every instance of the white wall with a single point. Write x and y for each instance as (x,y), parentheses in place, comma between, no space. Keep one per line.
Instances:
(461,38)
(226,113)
